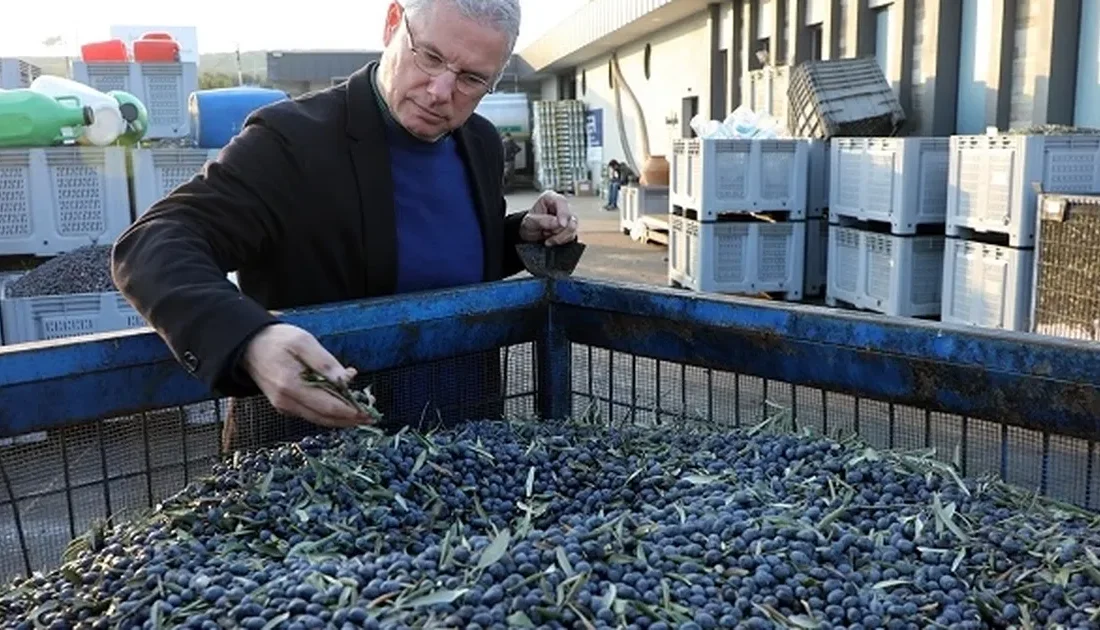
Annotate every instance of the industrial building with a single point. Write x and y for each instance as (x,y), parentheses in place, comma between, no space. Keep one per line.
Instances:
(957,66)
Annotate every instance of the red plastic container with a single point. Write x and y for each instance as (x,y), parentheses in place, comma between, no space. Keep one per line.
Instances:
(109,51)
(156,48)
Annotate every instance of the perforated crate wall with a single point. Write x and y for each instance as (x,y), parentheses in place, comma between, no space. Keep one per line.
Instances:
(164,88)
(1066,296)
(718,176)
(900,181)
(158,172)
(636,202)
(817,257)
(894,275)
(57,199)
(990,182)
(738,257)
(16,73)
(47,317)
(987,285)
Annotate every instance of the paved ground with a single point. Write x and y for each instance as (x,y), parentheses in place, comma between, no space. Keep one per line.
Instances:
(610,253)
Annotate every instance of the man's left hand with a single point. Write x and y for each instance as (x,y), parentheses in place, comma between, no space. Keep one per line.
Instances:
(549,221)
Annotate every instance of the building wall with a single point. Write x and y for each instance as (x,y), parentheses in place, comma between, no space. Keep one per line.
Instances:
(955,65)
(1023,93)
(1086,112)
(678,69)
(548,89)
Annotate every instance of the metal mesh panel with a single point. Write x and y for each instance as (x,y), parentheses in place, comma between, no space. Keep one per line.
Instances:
(65,480)
(623,387)
(1067,285)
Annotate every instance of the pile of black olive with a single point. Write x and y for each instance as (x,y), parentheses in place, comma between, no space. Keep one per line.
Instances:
(544,525)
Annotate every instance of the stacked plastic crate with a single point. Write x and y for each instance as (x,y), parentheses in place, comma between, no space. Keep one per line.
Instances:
(991,219)
(159,171)
(636,202)
(737,219)
(887,207)
(164,88)
(56,200)
(560,144)
(16,73)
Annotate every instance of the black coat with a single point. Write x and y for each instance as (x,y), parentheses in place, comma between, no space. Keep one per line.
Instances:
(300,204)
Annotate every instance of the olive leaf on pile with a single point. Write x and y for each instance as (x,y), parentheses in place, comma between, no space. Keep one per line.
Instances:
(361,399)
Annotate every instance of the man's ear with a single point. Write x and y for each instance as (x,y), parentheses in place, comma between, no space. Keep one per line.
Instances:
(394,14)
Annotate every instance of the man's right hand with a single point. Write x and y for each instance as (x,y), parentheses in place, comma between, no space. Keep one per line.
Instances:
(274,359)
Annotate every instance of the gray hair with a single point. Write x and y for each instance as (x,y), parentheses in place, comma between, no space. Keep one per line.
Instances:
(502,15)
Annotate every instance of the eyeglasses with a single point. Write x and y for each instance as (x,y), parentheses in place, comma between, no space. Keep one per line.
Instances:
(432,64)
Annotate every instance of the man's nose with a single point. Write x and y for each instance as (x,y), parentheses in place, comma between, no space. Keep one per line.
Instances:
(442,86)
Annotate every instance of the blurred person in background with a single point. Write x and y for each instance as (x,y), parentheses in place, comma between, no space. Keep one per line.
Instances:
(511,150)
(385,184)
(618,174)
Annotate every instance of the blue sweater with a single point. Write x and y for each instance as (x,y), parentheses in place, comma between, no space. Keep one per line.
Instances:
(439,241)
(439,245)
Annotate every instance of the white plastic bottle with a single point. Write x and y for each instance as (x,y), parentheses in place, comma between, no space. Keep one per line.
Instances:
(108,125)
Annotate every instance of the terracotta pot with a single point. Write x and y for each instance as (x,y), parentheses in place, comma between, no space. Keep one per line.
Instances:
(655,171)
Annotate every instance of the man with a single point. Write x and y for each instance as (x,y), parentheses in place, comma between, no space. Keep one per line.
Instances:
(617,174)
(385,184)
(511,150)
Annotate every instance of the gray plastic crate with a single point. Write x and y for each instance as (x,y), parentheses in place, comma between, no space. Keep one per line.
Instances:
(720,176)
(164,88)
(46,317)
(987,285)
(57,199)
(991,180)
(842,97)
(899,181)
(16,73)
(738,257)
(636,202)
(158,172)
(894,275)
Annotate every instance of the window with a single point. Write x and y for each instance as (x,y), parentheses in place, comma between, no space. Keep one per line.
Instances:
(817,42)
(647,55)
(610,74)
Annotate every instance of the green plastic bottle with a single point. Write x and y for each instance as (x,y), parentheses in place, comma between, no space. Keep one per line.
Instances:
(31,119)
(135,115)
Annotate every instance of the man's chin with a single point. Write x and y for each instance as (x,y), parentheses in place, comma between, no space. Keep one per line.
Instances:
(423,129)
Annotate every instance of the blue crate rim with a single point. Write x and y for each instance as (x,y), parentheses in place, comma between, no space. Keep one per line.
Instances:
(1041,383)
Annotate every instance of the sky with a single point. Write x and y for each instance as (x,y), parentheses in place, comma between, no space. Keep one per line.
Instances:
(225,24)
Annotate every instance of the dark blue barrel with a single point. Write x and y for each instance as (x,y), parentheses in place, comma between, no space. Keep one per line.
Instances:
(218,115)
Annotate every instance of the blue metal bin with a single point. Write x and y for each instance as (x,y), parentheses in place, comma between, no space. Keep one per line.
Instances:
(125,426)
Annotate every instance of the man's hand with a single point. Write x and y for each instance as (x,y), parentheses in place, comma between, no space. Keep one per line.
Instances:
(550,221)
(274,359)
